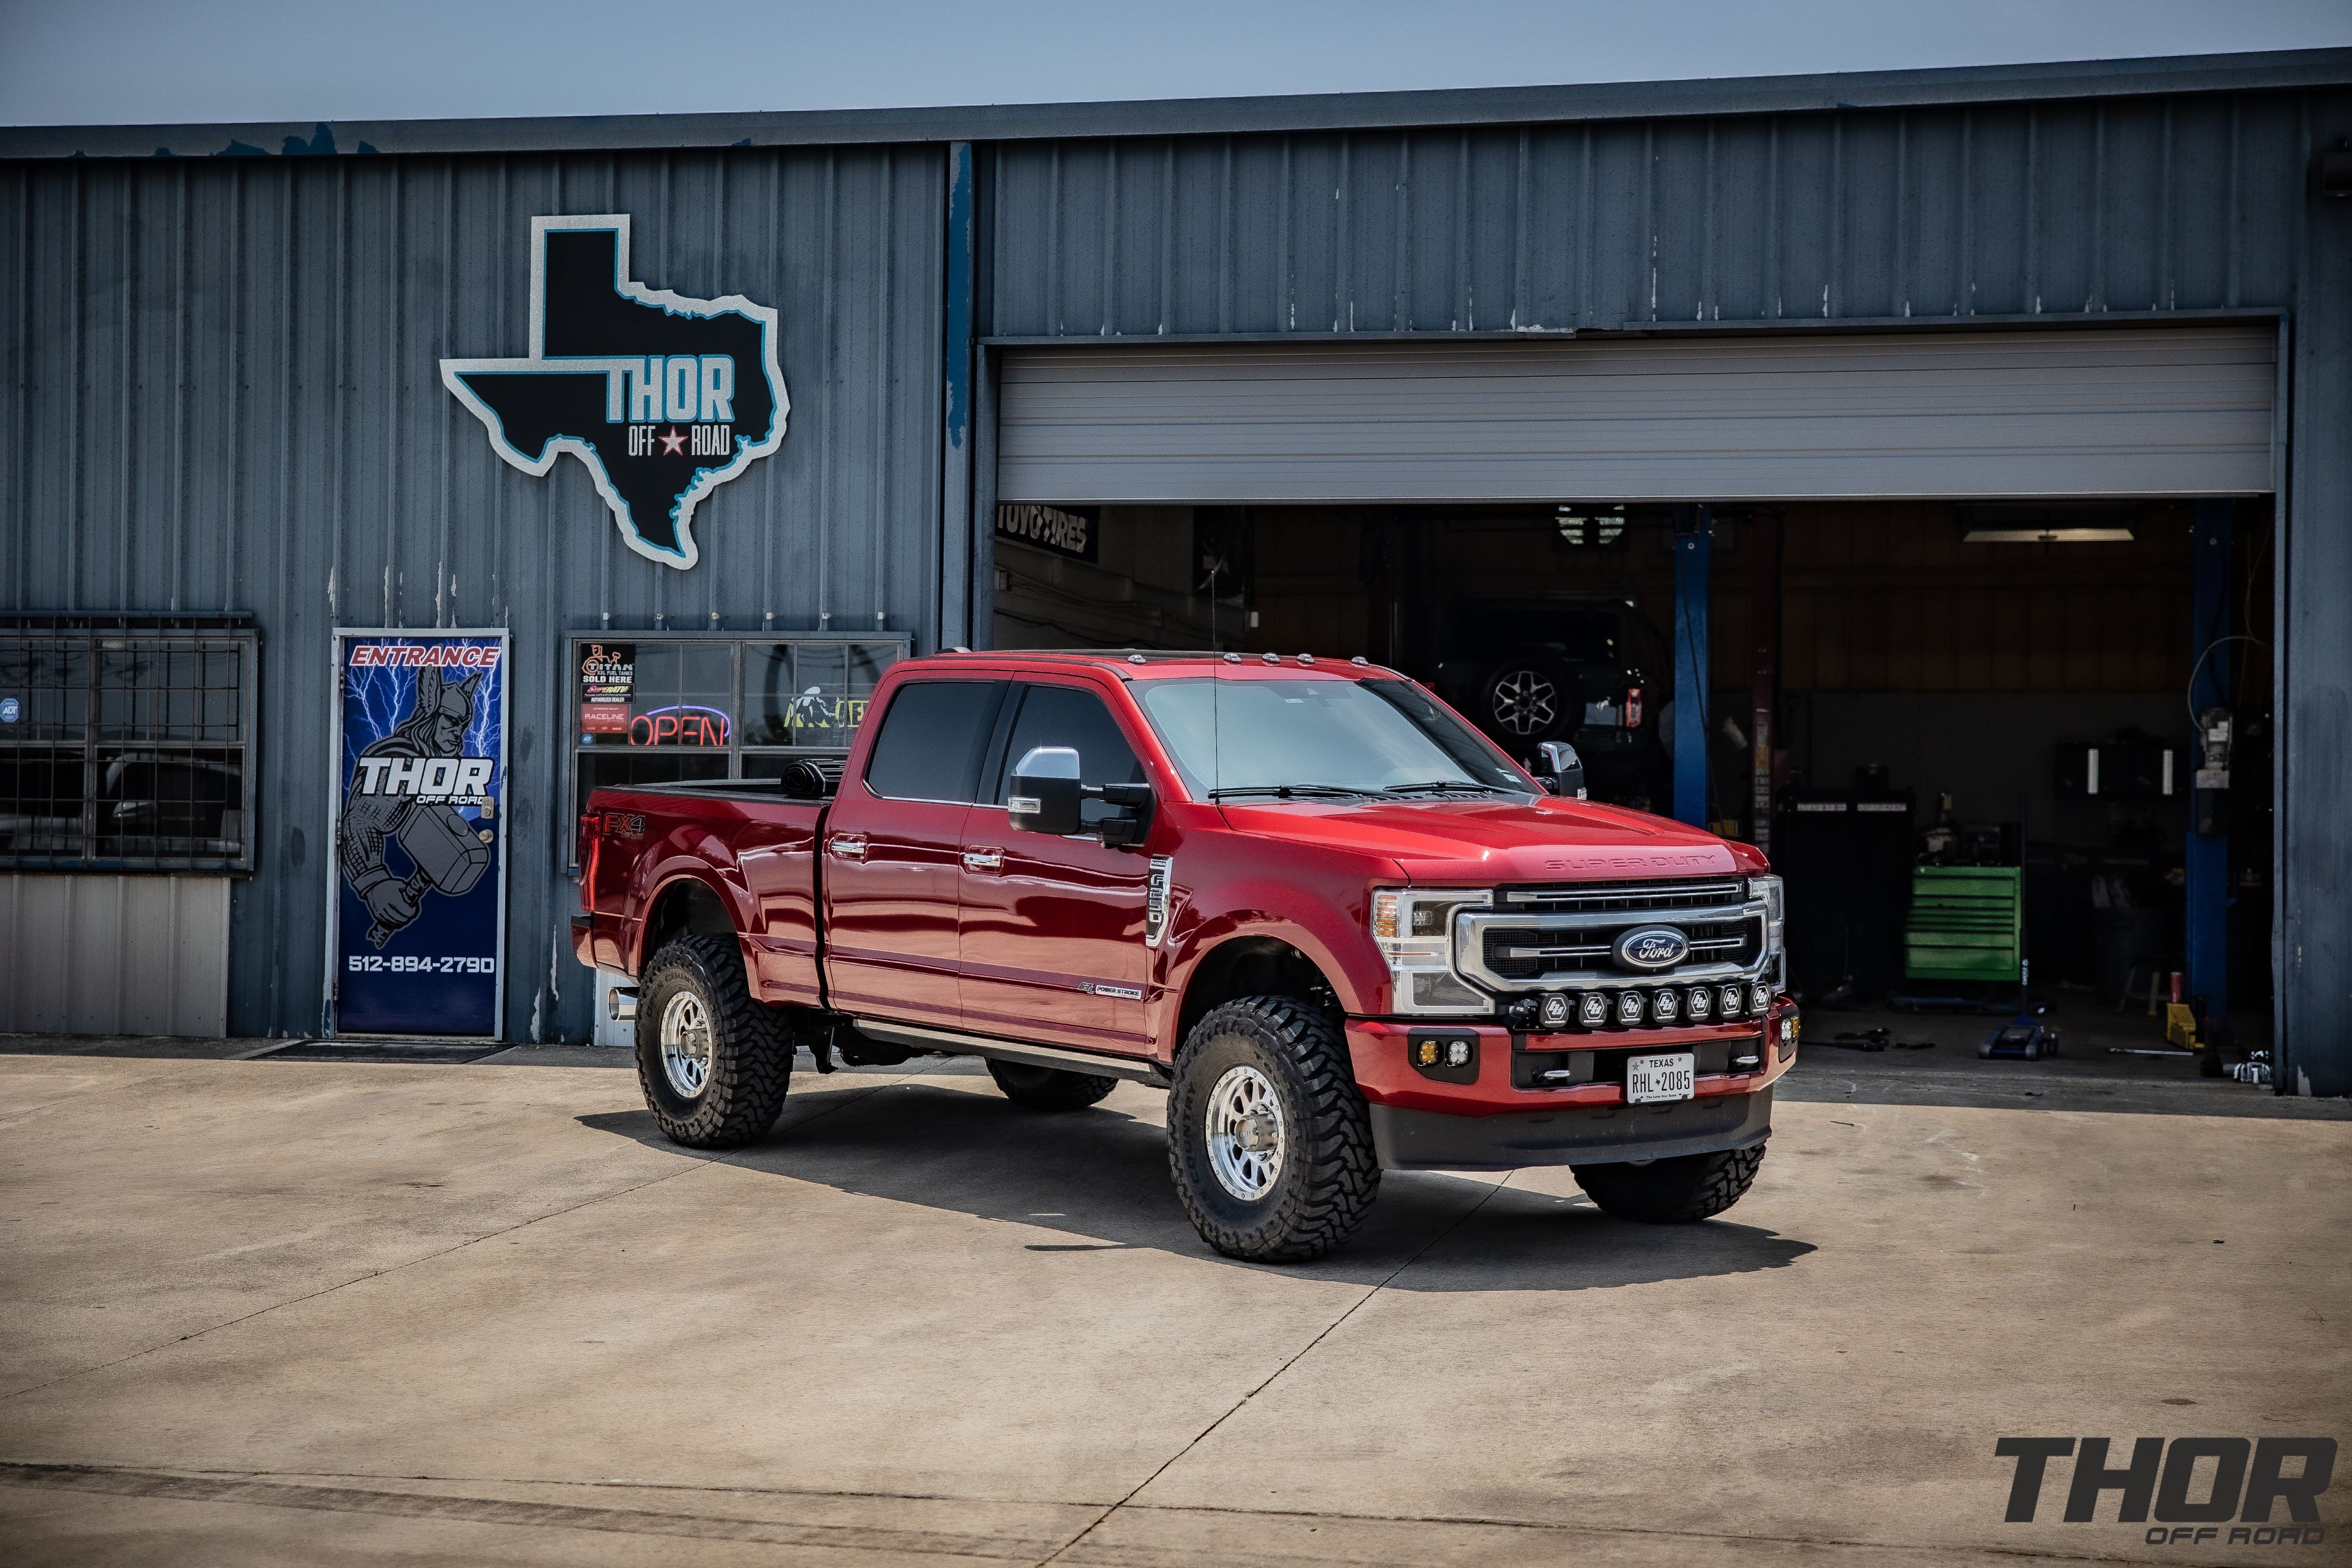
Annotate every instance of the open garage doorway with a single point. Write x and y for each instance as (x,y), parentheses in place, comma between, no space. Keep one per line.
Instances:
(1943,689)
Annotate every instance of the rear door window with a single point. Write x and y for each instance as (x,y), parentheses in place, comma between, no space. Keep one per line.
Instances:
(1067,716)
(930,746)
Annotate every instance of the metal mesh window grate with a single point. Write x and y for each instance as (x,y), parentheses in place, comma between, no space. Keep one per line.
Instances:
(125,743)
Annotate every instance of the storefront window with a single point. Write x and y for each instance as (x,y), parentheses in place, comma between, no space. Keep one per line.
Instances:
(665,708)
(124,744)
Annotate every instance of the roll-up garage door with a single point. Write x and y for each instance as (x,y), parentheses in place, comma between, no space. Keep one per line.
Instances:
(2142,412)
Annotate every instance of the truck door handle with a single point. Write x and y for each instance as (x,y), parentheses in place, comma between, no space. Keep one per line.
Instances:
(983,860)
(849,846)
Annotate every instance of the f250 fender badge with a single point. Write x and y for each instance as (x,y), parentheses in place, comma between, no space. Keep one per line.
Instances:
(1649,947)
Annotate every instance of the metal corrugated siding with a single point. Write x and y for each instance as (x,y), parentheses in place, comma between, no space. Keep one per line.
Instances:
(2157,203)
(93,954)
(2142,410)
(224,395)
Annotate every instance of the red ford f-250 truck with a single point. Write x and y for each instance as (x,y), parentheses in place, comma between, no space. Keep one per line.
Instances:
(1344,931)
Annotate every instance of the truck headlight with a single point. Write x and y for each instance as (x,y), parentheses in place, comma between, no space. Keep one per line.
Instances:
(1776,909)
(1414,928)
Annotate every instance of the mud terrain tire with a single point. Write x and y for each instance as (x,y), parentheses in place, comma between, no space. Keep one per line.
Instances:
(1272,1071)
(1672,1192)
(738,1053)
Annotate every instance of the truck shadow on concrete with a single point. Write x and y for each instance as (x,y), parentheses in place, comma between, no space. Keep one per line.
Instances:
(1097,1180)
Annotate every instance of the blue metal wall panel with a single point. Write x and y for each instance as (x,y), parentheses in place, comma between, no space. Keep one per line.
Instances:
(224,395)
(2153,204)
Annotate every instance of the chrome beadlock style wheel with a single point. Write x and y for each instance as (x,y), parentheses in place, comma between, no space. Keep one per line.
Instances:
(1244,1133)
(685,1045)
(1525,702)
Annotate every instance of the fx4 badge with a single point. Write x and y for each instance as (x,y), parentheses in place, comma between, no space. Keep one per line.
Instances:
(662,397)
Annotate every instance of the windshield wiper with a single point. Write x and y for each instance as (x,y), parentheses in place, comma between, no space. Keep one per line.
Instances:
(1308,791)
(1446,787)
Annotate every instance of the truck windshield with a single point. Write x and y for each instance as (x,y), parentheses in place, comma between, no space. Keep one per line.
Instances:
(1318,739)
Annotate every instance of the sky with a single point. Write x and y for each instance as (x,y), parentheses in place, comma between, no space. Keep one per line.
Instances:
(104,62)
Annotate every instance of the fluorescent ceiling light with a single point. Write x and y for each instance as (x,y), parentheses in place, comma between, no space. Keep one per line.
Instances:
(2050,536)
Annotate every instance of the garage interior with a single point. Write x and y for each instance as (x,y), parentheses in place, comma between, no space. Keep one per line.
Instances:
(1965,726)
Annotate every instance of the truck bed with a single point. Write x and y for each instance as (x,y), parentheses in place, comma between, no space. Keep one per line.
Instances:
(750,843)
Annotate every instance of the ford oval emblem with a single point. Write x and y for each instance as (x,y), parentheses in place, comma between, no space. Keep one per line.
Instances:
(1652,947)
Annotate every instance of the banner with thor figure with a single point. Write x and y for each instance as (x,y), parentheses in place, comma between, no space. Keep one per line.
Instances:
(419,843)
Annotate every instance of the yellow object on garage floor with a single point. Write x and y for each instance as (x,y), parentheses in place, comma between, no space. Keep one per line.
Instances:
(2180,1025)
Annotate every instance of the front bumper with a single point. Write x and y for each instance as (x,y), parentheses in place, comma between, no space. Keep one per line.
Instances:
(1494,1113)
(1569,1135)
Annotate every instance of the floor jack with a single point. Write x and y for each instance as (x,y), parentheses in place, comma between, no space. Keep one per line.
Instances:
(2024,1037)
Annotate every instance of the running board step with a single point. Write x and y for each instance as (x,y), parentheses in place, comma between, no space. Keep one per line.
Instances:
(1139,1070)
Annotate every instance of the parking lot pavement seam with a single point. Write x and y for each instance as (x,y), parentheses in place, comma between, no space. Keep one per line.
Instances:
(170,1487)
(1203,1436)
(1115,1556)
(602,1483)
(357,1279)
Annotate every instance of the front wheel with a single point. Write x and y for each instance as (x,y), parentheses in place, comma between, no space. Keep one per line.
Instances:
(1672,1192)
(1269,1142)
(714,1062)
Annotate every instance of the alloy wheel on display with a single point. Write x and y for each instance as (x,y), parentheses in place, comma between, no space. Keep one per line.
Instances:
(1525,702)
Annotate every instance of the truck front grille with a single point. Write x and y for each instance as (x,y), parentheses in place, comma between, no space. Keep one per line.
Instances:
(1530,952)
(1565,936)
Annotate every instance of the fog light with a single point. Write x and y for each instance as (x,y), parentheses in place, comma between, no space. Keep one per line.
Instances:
(1556,1011)
(1457,1053)
(1759,999)
(1629,1007)
(1665,1007)
(1734,1003)
(1701,1004)
(1593,1010)
(1424,1054)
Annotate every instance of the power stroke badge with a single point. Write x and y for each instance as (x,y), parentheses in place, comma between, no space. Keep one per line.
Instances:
(663,397)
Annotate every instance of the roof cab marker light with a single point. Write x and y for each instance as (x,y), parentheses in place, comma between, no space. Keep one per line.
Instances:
(1269,658)
(1233,658)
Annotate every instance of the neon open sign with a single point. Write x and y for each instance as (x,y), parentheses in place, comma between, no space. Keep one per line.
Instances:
(685,724)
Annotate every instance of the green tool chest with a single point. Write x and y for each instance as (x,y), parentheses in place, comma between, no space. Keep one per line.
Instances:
(1966,923)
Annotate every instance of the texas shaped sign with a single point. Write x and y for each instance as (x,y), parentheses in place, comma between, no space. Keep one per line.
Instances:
(663,397)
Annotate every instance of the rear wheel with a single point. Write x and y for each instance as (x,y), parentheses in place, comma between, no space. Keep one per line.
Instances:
(1048,1088)
(713,1062)
(1269,1142)
(1672,1192)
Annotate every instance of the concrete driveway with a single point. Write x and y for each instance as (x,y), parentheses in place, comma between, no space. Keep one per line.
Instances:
(257,1311)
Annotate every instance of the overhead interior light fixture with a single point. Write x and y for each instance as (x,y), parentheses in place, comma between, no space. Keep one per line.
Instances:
(2049,536)
(2047,522)
(1590,527)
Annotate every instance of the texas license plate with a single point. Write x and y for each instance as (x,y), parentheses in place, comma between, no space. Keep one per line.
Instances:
(1654,1078)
